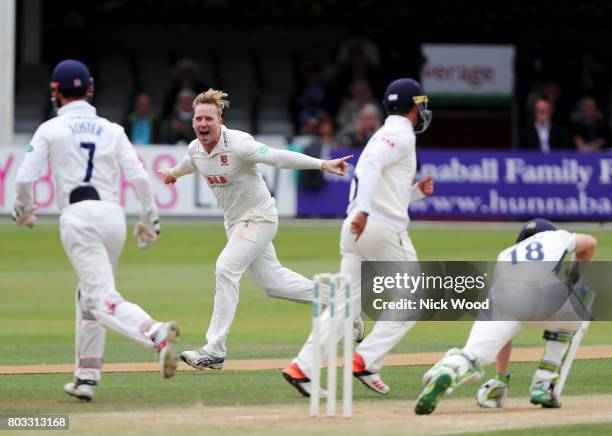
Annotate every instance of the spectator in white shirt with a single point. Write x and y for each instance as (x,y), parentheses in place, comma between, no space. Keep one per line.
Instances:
(544,135)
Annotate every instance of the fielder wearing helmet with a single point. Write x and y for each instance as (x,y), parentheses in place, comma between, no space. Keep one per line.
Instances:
(525,298)
(534,226)
(376,228)
(402,95)
(87,153)
(72,80)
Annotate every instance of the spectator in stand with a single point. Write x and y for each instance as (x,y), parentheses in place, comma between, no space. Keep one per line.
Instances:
(590,132)
(361,45)
(142,125)
(310,98)
(325,139)
(309,126)
(319,148)
(178,128)
(358,60)
(367,124)
(551,92)
(361,94)
(187,71)
(542,134)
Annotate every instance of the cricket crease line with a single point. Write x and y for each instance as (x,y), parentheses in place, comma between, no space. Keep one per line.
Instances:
(532,354)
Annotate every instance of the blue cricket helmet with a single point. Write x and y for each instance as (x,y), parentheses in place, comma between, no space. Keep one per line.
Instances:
(534,226)
(71,74)
(402,95)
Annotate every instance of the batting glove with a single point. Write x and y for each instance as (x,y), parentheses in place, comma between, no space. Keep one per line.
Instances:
(24,215)
(493,393)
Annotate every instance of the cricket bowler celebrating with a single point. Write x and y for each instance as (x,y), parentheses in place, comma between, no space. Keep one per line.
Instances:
(227,160)
(538,241)
(86,153)
(375,228)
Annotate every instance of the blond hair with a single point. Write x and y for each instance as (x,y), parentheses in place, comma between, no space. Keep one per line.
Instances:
(214,97)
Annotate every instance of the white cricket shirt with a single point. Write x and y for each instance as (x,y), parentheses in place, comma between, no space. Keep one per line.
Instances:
(527,284)
(231,172)
(83,150)
(383,181)
(544,246)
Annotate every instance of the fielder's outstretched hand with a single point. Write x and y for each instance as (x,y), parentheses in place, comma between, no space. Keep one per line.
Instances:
(426,185)
(336,166)
(167,176)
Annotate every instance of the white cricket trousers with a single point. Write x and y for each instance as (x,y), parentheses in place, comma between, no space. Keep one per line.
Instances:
(379,242)
(249,246)
(93,234)
(488,337)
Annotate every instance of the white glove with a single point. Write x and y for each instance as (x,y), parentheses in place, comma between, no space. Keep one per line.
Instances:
(493,393)
(147,229)
(24,215)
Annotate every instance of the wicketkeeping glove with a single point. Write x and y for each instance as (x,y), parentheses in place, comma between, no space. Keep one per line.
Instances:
(24,215)
(493,393)
(147,229)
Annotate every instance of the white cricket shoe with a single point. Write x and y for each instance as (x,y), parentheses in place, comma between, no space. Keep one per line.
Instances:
(200,359)
(81,389)
(165,339)
(296,378)
(372,380)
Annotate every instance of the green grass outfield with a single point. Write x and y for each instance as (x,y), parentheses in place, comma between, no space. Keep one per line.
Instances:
(175,280)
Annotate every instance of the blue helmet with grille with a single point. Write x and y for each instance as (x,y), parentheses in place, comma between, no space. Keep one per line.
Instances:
(402,95)
(534,226)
